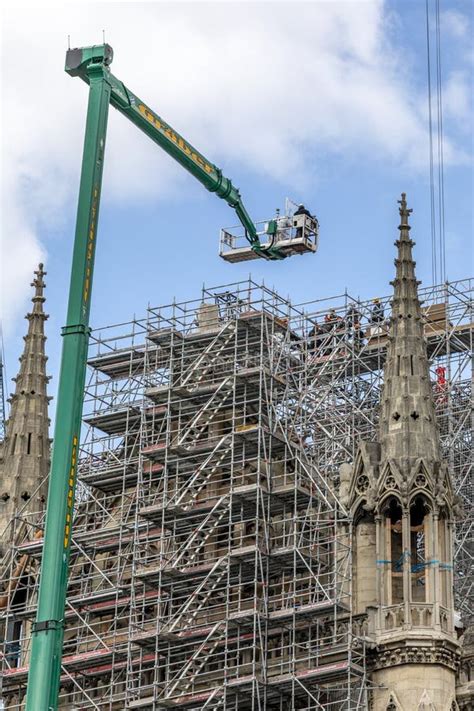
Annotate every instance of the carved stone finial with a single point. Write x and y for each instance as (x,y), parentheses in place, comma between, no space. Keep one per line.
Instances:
(404,211)
(38,282)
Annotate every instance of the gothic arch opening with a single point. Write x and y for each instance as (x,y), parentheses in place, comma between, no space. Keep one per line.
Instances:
(362,516)
(364,554)
(419,553)
(392,705)
(425,703)
(393,560)
(445,558)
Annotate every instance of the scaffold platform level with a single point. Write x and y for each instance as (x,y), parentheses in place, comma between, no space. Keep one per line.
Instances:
(210,559)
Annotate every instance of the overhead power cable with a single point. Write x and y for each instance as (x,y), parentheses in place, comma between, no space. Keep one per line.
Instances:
(430,123)
(437,194)
(439,96)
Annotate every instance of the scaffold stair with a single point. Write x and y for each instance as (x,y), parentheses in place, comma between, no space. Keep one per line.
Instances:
(194,430)
(202,533)
(197,661)
(215,701)
(199,598)
(203,474)
(207,358)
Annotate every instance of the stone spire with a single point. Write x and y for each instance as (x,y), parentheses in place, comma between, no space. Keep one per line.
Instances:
(400,494)
(407,428)
(25,460)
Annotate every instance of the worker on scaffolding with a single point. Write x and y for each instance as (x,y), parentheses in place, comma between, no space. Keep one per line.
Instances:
(377,315)
(333,325)
(354,329)
(316,338)
(441,386)
(352,317)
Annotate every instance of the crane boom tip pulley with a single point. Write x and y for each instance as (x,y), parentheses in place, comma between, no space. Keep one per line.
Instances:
(79,58)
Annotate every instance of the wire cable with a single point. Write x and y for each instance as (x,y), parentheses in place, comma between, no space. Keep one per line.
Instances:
(437,192)
(441,202)
(434,271)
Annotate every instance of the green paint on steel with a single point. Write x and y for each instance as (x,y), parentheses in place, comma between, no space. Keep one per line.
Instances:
(48,630)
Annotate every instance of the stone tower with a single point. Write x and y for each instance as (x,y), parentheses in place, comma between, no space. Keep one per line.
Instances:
(25,452)
(401,498)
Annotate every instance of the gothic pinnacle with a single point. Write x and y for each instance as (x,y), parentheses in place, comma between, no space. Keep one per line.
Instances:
(25,463)
(404,212)
(407,422)
(39,284)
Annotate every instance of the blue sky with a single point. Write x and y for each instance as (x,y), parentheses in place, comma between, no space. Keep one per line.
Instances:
(322,102)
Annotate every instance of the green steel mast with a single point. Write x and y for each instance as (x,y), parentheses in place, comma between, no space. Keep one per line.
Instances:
(48,629)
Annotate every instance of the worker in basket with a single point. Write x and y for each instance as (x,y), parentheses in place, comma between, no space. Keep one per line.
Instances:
(302,210)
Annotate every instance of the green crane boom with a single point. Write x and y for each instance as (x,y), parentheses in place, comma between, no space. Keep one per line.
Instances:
(78,63)
(92,65)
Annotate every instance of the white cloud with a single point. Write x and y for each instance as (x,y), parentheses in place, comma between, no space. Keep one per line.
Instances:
(454,23)
(458,99)
(21,250)
(261,85)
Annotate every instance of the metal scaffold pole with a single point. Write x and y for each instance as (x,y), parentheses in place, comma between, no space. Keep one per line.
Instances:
(212,554)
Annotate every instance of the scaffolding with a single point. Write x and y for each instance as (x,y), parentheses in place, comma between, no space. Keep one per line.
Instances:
(211,557)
